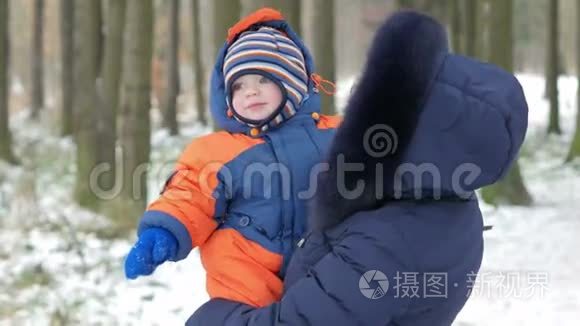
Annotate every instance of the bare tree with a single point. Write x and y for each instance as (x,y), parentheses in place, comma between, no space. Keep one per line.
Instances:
(575,146)
(470,19)
(67,62)
(437,9)
(37,55)
(224,14)
(86,133)
(173,83)
(483,22)
(318,31)
(463,22)
(196,53)
(456,26)
(5,135)
(511,189)
(552,66)
(100,37)
(136,131)
(110,85)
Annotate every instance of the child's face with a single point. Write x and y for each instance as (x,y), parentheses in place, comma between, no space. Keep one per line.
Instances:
(255,97)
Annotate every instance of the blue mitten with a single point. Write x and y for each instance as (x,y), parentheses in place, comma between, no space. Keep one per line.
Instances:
(154,246)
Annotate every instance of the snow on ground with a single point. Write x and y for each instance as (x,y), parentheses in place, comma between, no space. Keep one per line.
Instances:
(530,270)
(56,268)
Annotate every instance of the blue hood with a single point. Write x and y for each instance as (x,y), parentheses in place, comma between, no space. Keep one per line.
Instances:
(470,130)
(424,123)
(218,106)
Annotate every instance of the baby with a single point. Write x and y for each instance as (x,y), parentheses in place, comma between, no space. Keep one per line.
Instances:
(235,193)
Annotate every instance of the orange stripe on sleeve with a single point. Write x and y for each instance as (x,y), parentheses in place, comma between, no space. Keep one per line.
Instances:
(189,195)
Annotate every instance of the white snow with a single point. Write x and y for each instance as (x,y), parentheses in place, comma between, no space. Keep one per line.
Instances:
(537,242)
(54,267)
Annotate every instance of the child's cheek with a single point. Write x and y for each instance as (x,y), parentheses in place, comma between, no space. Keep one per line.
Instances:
(236,102)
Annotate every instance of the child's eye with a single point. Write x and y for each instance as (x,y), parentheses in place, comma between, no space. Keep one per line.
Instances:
(236,87)
(264,80)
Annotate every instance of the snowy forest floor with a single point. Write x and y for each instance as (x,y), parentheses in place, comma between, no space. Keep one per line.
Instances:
(57,267)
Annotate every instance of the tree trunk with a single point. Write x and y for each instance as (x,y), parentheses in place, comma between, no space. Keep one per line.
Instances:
(552,68)
(225,13)
(511,189)
(575,146)
(100,38)
(318,31)
(471,18)
(112,68)
(5,135)
(290,9)
(292,12)
(199,89)
(501,33)
(67,56)
(437,9)
(86,102)
(456,26)
(173,84)
(484,21)
(136,131)
(37,71)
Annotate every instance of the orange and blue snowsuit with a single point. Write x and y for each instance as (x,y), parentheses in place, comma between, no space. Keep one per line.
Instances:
(240,194)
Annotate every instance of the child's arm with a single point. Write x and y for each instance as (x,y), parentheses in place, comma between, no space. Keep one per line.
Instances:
(191,199)
(184,216)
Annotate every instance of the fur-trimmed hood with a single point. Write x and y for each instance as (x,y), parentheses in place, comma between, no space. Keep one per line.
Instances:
(423,123)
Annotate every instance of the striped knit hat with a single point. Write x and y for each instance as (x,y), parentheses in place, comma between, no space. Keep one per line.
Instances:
(268,52)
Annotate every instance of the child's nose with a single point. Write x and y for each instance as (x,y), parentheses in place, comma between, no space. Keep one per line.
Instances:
(251,90)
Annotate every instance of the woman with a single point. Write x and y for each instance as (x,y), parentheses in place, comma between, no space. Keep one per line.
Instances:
(397,239)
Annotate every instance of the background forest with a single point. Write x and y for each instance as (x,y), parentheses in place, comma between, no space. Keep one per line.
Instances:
(99,97)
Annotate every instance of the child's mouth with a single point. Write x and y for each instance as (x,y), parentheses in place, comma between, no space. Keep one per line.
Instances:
(255,106)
